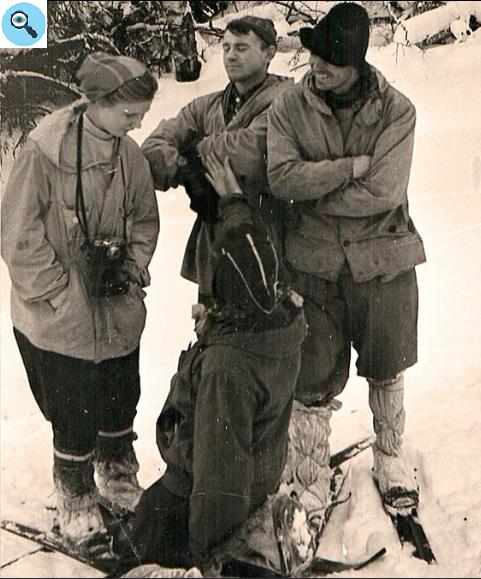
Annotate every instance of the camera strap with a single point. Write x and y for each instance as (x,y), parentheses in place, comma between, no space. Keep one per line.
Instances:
(80,210)
(124,181)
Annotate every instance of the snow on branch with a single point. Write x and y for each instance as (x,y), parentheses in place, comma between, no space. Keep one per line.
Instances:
(149,27)
(88,36)
(308,12)
(38,76)
(428,25)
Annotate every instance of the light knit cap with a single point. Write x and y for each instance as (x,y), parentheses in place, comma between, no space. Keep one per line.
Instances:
(102,73)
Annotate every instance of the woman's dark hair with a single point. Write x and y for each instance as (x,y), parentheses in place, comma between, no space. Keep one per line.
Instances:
(142,88)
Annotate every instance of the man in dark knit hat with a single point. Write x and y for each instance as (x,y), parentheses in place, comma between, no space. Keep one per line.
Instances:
(340,147)
(223,429)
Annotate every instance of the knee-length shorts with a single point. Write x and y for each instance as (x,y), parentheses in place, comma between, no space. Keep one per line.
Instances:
(378,319)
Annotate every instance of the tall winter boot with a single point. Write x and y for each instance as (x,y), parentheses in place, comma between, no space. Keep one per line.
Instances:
(276,536)
(393,476)
(78,518)
(116,469)
(307,470)
(282,534)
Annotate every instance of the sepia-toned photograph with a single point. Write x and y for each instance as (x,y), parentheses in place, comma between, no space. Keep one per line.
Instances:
(240,289)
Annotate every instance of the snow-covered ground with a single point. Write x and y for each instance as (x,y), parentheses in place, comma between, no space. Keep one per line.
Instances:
(443,398)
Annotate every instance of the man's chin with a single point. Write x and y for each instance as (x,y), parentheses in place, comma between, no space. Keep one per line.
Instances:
(235,75)
(327,86)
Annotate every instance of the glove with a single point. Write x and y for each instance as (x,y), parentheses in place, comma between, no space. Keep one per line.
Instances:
(203,197)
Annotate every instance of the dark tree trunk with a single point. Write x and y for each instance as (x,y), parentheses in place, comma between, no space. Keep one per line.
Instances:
(182,43)
(184,51)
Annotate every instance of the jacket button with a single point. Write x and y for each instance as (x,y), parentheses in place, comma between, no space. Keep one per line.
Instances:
(346,243)
(392,229)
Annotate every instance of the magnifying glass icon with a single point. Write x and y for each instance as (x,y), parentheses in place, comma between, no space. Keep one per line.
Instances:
(20,20)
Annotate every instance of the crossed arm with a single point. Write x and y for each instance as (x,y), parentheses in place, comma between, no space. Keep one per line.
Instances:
(350,186)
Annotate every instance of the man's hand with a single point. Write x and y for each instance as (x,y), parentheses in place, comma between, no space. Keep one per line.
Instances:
(203,197)
(221,176)
(360,166)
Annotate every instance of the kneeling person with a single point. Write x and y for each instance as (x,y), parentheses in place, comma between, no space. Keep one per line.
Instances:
(223,429)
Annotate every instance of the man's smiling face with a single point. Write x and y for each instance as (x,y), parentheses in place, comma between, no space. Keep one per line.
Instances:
(329,77)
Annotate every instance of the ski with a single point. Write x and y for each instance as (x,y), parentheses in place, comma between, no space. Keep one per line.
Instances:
(54,543)
(407,524)
(253,567)
(117,525)
(410,530)
(340,472)
(339,475)
(350,451)
(321,566)
(318,567)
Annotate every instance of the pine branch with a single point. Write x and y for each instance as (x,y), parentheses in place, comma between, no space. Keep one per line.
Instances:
(294,11)
(82,38)
(35,75)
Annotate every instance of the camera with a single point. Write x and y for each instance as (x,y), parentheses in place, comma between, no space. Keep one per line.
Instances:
(106,256)
(106,251)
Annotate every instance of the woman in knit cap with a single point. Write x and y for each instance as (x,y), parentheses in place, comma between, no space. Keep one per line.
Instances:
(79,226)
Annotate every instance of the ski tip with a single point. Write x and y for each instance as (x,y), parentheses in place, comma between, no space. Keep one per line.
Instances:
(373,558)
(351,451)
(323,567)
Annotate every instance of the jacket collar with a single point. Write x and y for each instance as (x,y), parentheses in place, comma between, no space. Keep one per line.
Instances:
(259,100)
(369,114)
(52,130)
(56,136)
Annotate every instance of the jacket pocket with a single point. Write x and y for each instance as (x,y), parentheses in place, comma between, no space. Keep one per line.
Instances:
(64,326)
(73,318)
(121,321)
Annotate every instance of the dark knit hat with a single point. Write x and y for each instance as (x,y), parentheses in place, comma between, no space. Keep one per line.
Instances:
(247,271)
(263,27)
(101,73)
(341,37)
